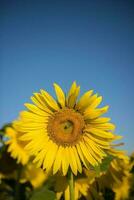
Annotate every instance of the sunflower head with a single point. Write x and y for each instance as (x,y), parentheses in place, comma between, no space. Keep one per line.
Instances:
(65,127)
(65,132)
(15,146)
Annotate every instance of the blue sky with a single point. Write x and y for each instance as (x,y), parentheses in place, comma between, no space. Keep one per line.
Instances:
(92,42)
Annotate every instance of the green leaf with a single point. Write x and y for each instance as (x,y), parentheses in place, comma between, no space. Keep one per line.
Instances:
(106,162)
(104,165)
(97,170)
(42,194)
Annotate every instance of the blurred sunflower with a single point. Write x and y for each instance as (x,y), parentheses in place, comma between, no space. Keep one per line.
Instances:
(81,186)
(66,133)
(15,145)
(35,176)
(120,172)
(118,176)
(93,192)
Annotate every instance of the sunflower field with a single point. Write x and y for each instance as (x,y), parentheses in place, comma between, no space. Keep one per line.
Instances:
(64,148)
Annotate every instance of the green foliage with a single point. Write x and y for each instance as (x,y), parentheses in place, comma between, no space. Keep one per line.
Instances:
(7,164)
(5,192)
(109,194)
(42,194)
(106,162)
(104,165)
(97,170)
(11,188)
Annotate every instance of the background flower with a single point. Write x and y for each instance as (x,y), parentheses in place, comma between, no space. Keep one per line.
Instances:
(15,145)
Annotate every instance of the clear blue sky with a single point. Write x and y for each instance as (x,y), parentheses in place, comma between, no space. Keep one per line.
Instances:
(92,42)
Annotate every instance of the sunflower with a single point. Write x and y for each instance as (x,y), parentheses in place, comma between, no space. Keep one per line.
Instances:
(15,145)
(61,187)
(120,173)
(81,187)
(66,132)
(35,176)
(117,177)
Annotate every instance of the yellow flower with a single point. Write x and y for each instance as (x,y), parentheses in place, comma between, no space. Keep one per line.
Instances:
(117,177)
(34,175)
(122,190)
(65,132)
(15,145)
(81,186)
(119,170)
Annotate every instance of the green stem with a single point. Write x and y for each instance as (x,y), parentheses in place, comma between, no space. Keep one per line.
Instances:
(71,184)
(17,187)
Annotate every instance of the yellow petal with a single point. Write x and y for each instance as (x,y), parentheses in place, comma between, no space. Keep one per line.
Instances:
(87,154)
(97,157)
(32,125)
(34,134)
(38,141)
(117,153)
(83,159)
(39,159)
(73,163)
(77,159)
(60,95)
(72,89)
(100,120)
(67,194)
(100,142)
(40,100)
(35,109)
(96,102)
(100,133)
(50,100)
(104,126)
(72,99)
(50,156)
(10,132)
(89,102)
(84,100)
(57,162)
(95,147)
(40,106)
(91,113)
(118,137)
(29,116)
(65,161)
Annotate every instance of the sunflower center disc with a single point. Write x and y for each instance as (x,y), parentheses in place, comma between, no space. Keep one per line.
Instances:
(65,127)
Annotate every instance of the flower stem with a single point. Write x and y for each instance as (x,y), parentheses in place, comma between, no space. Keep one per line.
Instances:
(17,187)
(71,184)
